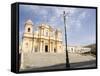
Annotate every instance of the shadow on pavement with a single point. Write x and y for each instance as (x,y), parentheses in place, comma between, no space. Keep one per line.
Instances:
(85,64)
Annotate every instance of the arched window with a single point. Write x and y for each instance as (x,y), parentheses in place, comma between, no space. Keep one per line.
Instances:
(28,29)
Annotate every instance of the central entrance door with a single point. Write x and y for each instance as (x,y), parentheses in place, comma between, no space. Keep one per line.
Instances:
(46,48)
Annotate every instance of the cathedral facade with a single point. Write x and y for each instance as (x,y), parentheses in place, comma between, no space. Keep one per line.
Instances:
(41,39)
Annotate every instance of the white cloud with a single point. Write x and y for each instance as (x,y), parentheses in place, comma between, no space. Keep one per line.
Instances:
(59,10)
(57,16)
(82,15)
(39,10)
(43,11)
(76,22)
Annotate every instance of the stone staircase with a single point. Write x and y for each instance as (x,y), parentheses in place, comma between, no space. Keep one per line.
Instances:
(35,60)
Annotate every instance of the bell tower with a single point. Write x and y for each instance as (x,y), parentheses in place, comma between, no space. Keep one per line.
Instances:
(27,40)
(28,36)
(28,27)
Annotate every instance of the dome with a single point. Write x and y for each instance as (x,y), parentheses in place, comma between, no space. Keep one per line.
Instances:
(29,22)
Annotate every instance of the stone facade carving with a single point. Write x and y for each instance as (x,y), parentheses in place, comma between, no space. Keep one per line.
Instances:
(42,39)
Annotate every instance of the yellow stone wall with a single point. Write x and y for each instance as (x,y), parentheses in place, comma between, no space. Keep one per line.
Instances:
(44,39)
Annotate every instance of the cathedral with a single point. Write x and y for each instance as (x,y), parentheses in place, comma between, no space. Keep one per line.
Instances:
(41,39)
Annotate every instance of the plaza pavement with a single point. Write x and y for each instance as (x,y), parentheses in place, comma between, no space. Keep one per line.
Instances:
(52,61)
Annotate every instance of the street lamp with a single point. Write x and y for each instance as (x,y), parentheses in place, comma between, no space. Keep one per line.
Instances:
(67,58)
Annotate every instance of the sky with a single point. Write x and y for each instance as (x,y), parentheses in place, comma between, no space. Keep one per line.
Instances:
(80,22)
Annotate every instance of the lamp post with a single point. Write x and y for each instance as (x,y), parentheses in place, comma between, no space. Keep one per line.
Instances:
(67,58)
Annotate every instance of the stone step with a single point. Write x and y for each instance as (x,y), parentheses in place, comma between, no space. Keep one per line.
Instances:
(35,60)
(43,59)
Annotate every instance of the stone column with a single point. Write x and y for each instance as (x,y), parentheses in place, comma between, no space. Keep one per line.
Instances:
(33,45)
(41,47)
(44,47)
(51,47)
(22,61)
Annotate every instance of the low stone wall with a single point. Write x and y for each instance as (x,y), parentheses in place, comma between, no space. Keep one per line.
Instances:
(35,60)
